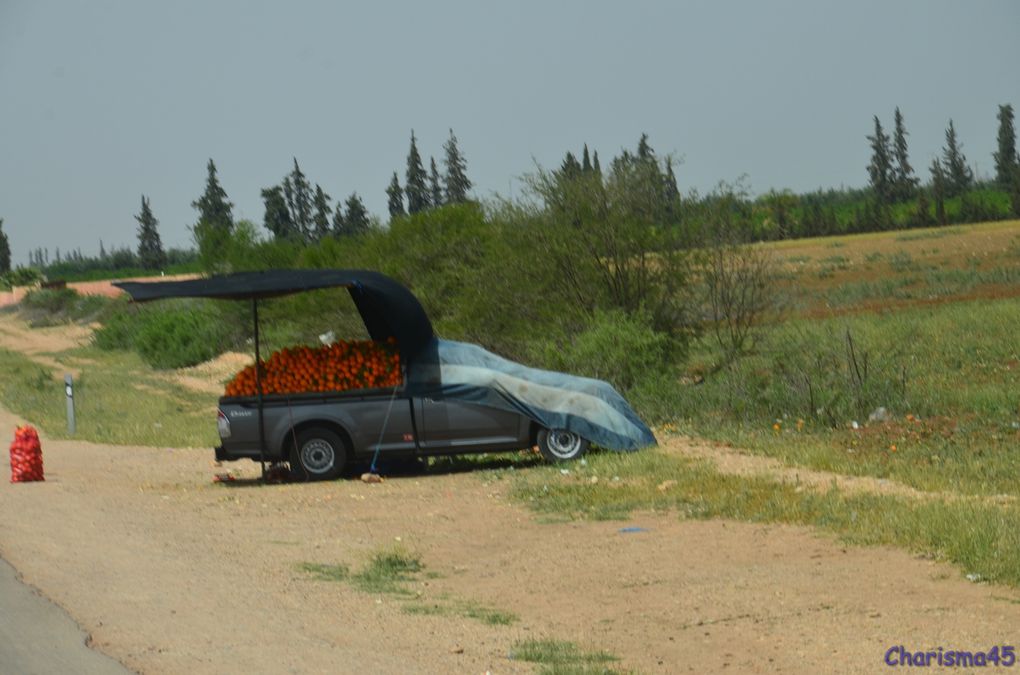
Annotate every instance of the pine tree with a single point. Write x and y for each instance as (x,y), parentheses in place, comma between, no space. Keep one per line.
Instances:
(320,220)
(277,218)
(416,187)
(457,183)
(1007,162)
(396,198)
(5,250)
(437,190)
(357,215)
(213,207)
(150,248)
(904,181)
(300,202)
(938,191)
(880,167)
(959,177)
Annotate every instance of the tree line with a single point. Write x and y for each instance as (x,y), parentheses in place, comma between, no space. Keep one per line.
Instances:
(301,212)
(892,179)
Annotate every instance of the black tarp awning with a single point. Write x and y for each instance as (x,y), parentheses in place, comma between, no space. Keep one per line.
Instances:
(386,306)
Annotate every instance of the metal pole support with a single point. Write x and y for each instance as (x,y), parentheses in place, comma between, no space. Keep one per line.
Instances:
(69,393)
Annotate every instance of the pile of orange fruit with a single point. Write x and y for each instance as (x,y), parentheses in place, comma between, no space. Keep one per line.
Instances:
(340,366)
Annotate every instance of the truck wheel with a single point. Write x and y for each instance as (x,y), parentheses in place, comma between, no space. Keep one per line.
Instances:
(317,454)
(560,445)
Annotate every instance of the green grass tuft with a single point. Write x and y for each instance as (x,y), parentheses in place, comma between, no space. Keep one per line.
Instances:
(339,572)
(387,572)
(558,657)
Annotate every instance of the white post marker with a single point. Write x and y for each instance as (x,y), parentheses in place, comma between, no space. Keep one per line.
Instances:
(69,391)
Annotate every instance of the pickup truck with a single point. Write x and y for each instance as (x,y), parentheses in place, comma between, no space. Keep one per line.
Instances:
(319,434)
(454,398)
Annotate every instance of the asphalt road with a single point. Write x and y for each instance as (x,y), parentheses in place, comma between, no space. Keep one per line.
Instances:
(39,638)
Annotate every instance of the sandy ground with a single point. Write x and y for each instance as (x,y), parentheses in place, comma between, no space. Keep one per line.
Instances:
(169,572)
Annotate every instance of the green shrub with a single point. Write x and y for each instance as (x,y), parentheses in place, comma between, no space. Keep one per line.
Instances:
(172,334)
(53,306)
(118,329)
(623,349)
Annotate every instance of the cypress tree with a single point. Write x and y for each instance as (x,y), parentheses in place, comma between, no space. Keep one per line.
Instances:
(1007,163)
(277,218)
(300,201)
(903,175)
(922,215)
(437,190)
(938,191)
(416,187)
(880,167)
(320,221)
(213,207)
(671,192)
(339,220)
(570,168)
(150,248)
(644,150)
(396,198)
(457,183)
(595,166)
(958,175)
(586,167)
(5,250)
(357,215)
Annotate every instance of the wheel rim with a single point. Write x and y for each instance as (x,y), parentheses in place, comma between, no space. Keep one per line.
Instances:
(563,444)
(318,456)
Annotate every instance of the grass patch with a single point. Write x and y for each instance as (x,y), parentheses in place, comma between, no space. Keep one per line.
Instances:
(948,376)
(558,657)
(936,233)
(469,610)
(982,538)
(108,393)
(389,573)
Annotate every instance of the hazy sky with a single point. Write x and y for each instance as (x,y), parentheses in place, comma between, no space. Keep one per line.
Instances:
(103,101)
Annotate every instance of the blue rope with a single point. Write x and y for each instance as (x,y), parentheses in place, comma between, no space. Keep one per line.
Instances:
(386,420)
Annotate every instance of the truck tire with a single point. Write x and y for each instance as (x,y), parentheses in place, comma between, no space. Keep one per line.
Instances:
(560,445)
(317,454)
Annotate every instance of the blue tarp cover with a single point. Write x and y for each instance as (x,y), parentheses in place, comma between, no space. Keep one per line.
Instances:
(591,408)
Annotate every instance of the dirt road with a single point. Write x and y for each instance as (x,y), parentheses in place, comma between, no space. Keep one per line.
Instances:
(172,573)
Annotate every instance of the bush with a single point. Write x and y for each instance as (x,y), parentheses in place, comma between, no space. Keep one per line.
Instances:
(615,347)
(21,276)
(53,306)
(172,335)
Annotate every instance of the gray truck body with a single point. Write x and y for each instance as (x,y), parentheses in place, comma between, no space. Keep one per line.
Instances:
(399,425)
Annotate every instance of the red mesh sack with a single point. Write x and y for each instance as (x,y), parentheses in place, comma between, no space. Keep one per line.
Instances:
(26,456)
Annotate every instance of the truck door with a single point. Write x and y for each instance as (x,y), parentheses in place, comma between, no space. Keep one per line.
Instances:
(462,426)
